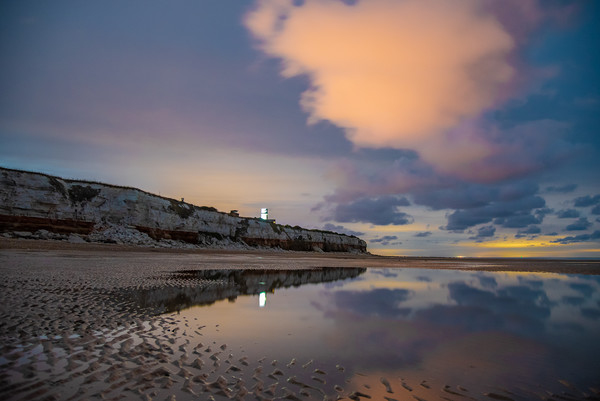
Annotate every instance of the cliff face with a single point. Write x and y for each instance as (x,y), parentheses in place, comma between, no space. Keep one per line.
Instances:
(30,202)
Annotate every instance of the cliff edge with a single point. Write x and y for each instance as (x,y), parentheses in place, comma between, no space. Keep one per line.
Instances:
(35,205)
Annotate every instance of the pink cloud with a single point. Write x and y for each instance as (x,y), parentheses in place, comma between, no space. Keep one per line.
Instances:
(391,73)
(410,74)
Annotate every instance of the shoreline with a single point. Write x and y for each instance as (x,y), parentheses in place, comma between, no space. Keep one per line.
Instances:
(292,260)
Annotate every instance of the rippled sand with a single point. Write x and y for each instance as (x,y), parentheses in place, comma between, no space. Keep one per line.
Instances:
(71,331)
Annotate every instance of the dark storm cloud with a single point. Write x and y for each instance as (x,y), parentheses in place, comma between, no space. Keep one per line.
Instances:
(578,238)
(382,302)
(596,210)
(379,211)
(584,201)
(581,224)
(341,229)
(514,213)
(423,234)
(567,213)
(562,189)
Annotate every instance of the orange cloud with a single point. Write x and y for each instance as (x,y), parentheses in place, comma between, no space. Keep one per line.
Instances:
(392,73)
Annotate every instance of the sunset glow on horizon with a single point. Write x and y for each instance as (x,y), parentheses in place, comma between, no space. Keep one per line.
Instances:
(425,127)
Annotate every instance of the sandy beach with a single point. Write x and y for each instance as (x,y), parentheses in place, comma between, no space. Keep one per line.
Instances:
(273,259)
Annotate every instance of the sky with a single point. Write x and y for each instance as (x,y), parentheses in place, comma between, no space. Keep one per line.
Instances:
(426,127)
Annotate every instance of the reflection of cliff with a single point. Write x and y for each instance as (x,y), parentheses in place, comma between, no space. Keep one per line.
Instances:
(203,287)
(36,205)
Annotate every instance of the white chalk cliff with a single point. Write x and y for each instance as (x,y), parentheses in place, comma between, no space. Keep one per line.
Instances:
(42,206)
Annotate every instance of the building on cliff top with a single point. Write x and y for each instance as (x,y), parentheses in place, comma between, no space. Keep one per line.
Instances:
(264,215)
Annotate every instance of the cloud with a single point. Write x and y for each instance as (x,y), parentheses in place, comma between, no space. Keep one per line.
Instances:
(379,211)
(519,220)
(414,74)
(342,230)
(581,224)
(562,189)
(423,234)
(388,72)
(484,232)
(584,201)
(515,213)
(461,195)
(578,238)
(596,209)
(529,231)
(385,240)
(567,213)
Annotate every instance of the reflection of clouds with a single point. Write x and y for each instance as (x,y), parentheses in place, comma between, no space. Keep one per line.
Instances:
(341,283)
(531,282)
(494,321)
(487,281)
(590,313)
(527,295)
(470,318)
(573,301)
(383,302)
(385,273)
(585,289)
(515,308)
(569,327)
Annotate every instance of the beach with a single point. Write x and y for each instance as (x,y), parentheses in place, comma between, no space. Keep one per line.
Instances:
(94,321)
(277,259)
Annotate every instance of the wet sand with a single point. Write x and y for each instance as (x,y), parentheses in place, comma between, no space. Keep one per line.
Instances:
(69,329)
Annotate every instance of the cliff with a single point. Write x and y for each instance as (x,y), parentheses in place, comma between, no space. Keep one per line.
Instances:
(35,205)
